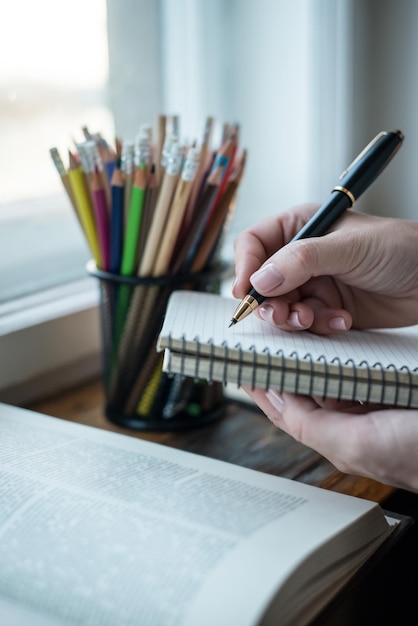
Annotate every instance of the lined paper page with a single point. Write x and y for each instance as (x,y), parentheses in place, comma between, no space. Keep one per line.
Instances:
(207,317)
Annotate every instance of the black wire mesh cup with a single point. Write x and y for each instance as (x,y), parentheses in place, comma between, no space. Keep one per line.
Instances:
(139,395)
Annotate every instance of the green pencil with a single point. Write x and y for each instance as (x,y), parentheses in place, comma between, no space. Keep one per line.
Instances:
(130,250)
(133,227)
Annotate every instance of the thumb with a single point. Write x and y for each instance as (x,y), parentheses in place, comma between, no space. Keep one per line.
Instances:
(294,264)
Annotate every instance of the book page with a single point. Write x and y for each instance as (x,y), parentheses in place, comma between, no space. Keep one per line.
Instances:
(207,317)
(101,528)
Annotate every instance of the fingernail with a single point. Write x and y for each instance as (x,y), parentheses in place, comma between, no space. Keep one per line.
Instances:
(267,278)
(337,323)
(275,399)
(266,313)
(293,320)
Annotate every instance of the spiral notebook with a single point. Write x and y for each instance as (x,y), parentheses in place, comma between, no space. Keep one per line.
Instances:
(376,366)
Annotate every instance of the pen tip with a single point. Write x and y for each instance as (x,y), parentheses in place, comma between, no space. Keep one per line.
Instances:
(233,322)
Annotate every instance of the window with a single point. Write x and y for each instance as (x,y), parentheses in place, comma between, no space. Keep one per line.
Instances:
(53,82)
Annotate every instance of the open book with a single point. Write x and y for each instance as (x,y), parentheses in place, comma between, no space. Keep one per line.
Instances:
(378,366)
(104,529)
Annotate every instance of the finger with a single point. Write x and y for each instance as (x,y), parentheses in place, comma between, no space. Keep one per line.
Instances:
(335,254)
(307,315)
(343,438)
(249,255)
(327,320)
(279,313)
(253,246)
(302,418)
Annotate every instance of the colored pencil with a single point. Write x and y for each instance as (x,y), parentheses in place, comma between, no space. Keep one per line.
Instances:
(102,220)
(116,220)
(175,218)
(162,208)
(133,227)
(84,207)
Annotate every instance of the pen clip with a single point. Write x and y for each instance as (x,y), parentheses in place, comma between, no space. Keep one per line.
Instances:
(362,153)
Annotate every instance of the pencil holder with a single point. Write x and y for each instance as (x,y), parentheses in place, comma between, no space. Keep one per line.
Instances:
(139,395)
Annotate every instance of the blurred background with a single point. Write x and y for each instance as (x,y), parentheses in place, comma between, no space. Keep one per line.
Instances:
(309,81)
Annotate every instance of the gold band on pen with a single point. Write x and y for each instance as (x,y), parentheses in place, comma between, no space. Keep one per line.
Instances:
(347,192)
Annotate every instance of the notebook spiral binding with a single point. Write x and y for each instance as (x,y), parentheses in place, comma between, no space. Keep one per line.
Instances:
(297,361)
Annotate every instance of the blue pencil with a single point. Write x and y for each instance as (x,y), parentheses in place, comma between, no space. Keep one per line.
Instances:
(116,221)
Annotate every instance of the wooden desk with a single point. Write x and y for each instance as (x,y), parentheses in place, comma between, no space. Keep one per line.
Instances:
(243,436)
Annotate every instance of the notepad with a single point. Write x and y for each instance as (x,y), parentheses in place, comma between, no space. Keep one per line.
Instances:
(373,366)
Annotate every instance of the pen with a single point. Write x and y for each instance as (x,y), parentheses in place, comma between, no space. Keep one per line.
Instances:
(365,168)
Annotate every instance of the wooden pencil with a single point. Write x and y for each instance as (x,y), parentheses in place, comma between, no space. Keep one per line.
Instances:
(161,125)
(176,214)
(203,164)
(170,179)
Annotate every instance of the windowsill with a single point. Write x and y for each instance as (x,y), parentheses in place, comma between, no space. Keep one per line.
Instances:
(49,342)
(47,305)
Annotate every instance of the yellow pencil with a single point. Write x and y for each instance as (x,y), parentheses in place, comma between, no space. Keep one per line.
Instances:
(60,167)
(84,207)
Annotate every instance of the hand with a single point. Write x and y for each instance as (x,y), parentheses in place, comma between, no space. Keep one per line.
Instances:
(362,274)
(378,444)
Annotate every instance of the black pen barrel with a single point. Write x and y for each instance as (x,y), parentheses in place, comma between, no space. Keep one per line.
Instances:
(325,217)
